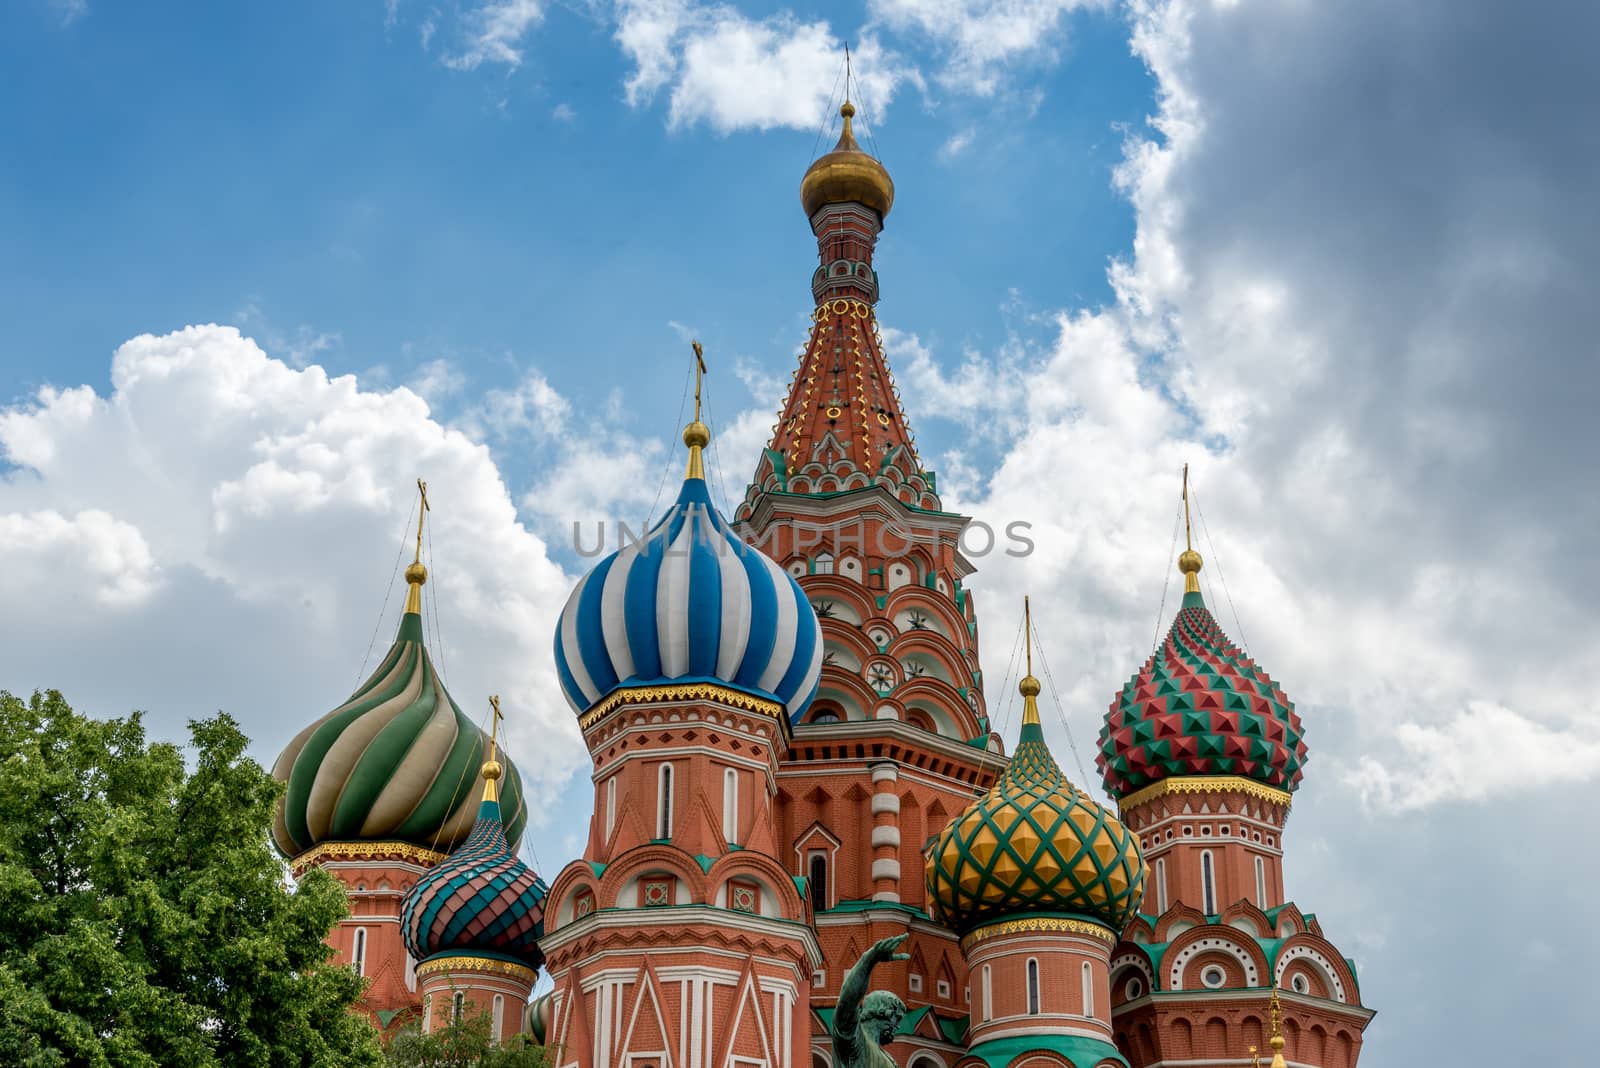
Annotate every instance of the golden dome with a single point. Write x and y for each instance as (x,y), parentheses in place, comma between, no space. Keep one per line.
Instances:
(847,174)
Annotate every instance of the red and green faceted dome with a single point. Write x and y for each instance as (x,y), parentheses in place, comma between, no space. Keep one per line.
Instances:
(1200,706)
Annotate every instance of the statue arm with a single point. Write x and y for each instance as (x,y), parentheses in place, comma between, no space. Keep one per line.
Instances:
(846,1016)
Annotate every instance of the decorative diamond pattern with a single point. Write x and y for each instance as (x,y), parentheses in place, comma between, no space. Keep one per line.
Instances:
(1199,706)
(1034,843)
(481,898)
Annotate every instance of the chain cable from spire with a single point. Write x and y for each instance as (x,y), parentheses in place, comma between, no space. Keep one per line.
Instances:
(1061,712)
(405,527)
(1166,581)
(455,796)
(829,113)
(666,468)
(1221,575)
(433,611)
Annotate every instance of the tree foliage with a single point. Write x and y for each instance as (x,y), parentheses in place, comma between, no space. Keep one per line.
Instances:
(464,1043)
(144,918)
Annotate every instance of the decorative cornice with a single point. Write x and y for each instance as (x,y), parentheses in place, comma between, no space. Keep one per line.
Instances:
(367,851)
(1038,925)
(1205,784)
(484,965)
(687,691)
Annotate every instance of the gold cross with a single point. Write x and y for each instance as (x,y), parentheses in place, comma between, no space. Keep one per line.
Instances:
(699,373)
(494,728)
(422,507)
(1188,540)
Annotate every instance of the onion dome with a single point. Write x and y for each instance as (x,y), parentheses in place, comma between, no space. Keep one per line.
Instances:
(847,174)
(690,602)
(482,901)
(1199,707)
(392,763)
(1034,844)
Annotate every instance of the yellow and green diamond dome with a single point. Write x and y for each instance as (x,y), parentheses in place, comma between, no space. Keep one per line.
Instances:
(1034,844)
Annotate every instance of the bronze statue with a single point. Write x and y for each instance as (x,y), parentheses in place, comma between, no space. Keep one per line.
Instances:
(864,1023)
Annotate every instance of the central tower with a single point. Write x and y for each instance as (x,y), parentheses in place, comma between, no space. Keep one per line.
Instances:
(897,739)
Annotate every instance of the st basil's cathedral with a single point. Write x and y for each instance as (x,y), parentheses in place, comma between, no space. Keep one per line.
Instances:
(792,759)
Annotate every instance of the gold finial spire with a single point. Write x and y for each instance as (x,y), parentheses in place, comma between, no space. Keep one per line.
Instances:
(697,435)
(1029,686)
(1189,561)
(416,574)
(1276,1040)
(491,768)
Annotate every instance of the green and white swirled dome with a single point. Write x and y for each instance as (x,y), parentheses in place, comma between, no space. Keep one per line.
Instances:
(396,762)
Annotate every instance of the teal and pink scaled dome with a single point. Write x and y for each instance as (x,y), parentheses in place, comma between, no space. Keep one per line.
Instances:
(482,901)
(1200,706)
(395,762)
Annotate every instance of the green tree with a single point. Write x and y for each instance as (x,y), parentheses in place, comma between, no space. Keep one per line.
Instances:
(144,918)
(464,1043)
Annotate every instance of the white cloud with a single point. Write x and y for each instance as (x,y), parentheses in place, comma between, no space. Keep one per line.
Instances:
(494,33)
(531,407)
(957,143)
(235,518)
(437,380)
(733,72)
(981,40)
(564,113)
(1484,751)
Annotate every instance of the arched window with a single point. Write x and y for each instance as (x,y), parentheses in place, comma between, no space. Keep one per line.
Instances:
(1261,883)
(496,1024)
(1208,884)
(1033,987)
(824,564)
(730,806)
(988,994)
(1088,989)
(664,803)
(358,954)
(817,873)
(611,806)
(458,1006)
(427,1014)
(1161,886)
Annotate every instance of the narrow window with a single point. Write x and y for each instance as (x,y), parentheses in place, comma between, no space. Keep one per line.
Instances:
(664,803)
(1261,883)
(1208,886)
(611,806)
(427,1014)
(1033,987)
(824,564)
(458,1005)
(988,994)
(358,956)
(818,874)
(495,1024)
(1161,887)
(730,806)
(1088,989)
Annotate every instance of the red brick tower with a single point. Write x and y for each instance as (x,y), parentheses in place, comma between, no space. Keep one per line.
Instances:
(680,937)
(897,740)
(1203,752)
(378,792)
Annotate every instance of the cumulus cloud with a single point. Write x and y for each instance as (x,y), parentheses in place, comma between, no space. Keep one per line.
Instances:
(732,72)
(225,519)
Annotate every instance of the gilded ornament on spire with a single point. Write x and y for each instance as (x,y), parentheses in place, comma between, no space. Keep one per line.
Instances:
(416,573)
(1189,561)
(847,174)
(491,769)
(697,435)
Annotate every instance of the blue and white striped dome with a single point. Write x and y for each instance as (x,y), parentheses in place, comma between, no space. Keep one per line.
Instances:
(689,602)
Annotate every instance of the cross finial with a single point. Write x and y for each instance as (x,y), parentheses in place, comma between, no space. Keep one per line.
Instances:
(1027,625)
(422,509)
(699,375)
(494,728)
(1029,686)
(1188,538)
(491,767)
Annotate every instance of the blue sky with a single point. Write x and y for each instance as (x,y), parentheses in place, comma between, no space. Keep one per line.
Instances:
(261,267)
